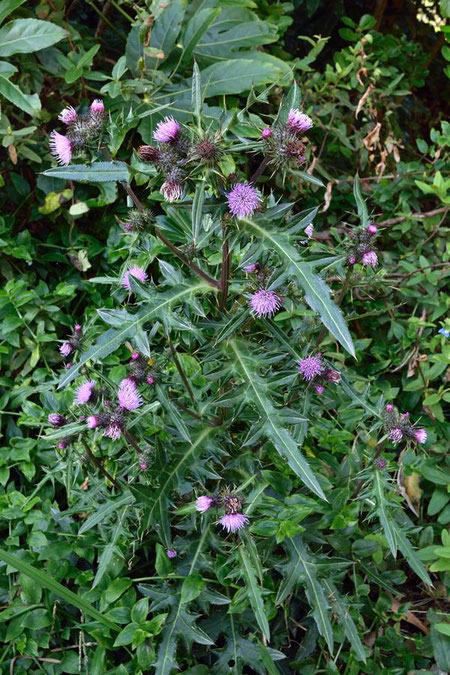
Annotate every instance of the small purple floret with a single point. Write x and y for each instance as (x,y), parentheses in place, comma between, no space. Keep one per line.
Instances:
(128,395)
(57,420)
(97,106)
(66,349)
(370,258)
(420,435)
(84,392)
(171,191)
(266,133)
(68,115)
(113,431)
(264,303)
(232,522)
(298,121)
(93,421)
(171,553)
(310,367)
(249,269)
(60,147)
(395,435)
(243,200)
(203,503)
(372,229)
(167,130)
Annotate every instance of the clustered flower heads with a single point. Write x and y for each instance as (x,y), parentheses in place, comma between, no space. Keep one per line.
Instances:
(282,142)
(232,520)
(362,247)
(313,369)
(72,343)
(81,129)
(398,427)
(176,152)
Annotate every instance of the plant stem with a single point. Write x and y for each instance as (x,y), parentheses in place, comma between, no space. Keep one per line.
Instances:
(96,462)
(181,371)
(132,441)
(259,170)
(225,270)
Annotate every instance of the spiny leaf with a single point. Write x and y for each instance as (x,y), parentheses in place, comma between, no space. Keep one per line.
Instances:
(360,203)
(98,172)
(317,293)
(385,518)
(340,608)
(254,592)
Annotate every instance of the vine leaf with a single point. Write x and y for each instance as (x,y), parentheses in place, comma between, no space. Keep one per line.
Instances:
(317,293)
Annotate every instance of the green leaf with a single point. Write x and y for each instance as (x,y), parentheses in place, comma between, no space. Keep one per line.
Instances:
(386,521)
(197,208)
(103,511)
(24,36)
(443,628)
(411,557)
(7,7)
(291,100)
(26,102)
(272,425)
(167,26)
(109,550)
(46,581)
(254,592)
(308,178)
(360,203)
(192,587)
(317,293)
(340,608)
(98,172)
(196,28)
(158,306)
(302,568)
(239,75)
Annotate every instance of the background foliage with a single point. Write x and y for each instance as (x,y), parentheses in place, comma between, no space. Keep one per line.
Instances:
(312,585)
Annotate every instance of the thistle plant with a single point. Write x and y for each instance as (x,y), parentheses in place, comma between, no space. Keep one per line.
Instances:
(224,346)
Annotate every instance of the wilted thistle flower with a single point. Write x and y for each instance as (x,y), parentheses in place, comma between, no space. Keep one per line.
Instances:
(203,503)
(60,147)
(311,367)
(420,435)
(137,220)
(232,522)
(63,443)
(68,115)
(93,421)
(319,388)
(84,392)
(309,231)
(128,396)
(264,303)
(65,349)
(298,121)
(332,375)
(137,273)
(148,153)
(249,269)
(171,553)
(243,200)
(171,191)
(57,420)
(370,258)
(167,130)
(380,463)
(395,435)
(97,107)
(113,431)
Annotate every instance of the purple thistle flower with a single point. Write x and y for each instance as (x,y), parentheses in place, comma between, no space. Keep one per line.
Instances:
(351,260)
(310,367)
(249,269)
(370,258)
(332,376)
(68,365)
(66,349)
(77,327)
(171,190)
(113,431)
(232,522)
(372,229)
(389,407)
(143,465)
(137,273)
(420,435)
(380,463)
(319,388)
(150,379)
(243,200)
(63,443)
(60,147)
(309,230)
(266,133)
(68,115)
(57,420)
(84,392)
(135,355)
(395,435)
(167,130)
(203,503)
(97,106)
(171,553)
(128,395)
(93,421)
(264,303)
(298,121)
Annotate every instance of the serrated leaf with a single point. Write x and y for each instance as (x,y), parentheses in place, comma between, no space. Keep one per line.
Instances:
(254,592)
(340,608)
(103,511)
(97,172)
(317,293)
(384,516)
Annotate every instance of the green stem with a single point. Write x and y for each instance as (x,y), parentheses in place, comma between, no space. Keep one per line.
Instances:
(96,462)
(181,371)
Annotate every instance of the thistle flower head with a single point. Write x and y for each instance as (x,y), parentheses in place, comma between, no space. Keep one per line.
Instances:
(298,121)
(137,273)
(93,421)
(113,431)
(389,407)
(380,463)
(135,355)
(63,443)
(148,153)
(370,258)
(60,147)
(143,465)
(128,395)
(171,553)
(319,388)
(84,392)
(372,229)
(395,435)
(150,380)
(65,349)
(351,260)
(97,106)
(171,190)
(311,367)
(420,435)
(266,133)
(57,420)
(203,503)
(232,522)
(243,200)
(264,303)
(167,130)
(332,375)
(254,267)
(68,115)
